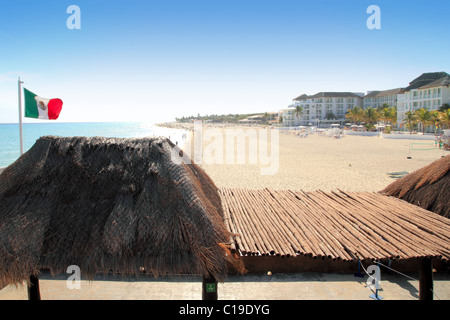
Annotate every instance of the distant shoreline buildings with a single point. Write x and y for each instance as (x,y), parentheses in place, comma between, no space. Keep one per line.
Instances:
(429,90)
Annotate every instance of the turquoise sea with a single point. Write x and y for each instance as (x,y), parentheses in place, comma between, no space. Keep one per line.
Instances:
(10,137)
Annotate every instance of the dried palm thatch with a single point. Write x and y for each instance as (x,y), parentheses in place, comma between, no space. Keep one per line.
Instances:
(428,187)
(109,204)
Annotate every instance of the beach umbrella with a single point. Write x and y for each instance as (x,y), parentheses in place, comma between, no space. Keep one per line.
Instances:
(109,205)
(427,187)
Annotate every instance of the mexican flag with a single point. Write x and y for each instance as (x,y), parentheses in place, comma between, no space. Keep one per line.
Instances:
(41,108)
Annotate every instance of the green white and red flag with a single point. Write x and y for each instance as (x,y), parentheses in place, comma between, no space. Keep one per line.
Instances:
(41,108)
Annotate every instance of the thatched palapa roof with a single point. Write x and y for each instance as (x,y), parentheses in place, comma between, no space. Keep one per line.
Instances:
(109,204)
(428,187)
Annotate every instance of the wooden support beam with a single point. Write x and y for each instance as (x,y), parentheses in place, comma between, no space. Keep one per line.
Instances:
(425,279)
(33,288)
(209,288)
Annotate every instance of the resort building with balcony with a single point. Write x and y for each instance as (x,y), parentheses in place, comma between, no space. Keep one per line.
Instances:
(287,118)
(430,90)
(377,99)
(321,108)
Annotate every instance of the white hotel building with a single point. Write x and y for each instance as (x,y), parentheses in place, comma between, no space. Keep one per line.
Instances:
(321,108)
(377,99)
(430,91)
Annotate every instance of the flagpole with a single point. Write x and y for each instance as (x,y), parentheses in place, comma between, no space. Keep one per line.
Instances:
(20,116)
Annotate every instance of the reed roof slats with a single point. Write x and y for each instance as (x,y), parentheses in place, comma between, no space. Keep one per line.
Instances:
(336,225)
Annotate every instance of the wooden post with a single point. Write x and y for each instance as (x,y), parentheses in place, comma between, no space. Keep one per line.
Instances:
(425,279)
(33,288)
(209,288)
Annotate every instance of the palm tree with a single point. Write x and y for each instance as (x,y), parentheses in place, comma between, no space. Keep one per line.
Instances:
(385,115)
(444,117)
(370,115)
(330,116)
(298,111)
(409,120)
(424,117)
(388,115)
(393,118)
(384,106)
(436,120)
(444,107)
(355,114)
(369,126)
(266,117)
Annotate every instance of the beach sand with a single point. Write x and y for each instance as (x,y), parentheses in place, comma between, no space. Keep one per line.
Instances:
(317,162)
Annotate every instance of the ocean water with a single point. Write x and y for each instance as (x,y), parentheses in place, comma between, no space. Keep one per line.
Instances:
(10,137)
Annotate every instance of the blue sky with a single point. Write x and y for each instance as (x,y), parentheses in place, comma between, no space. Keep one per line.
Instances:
(156,60)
